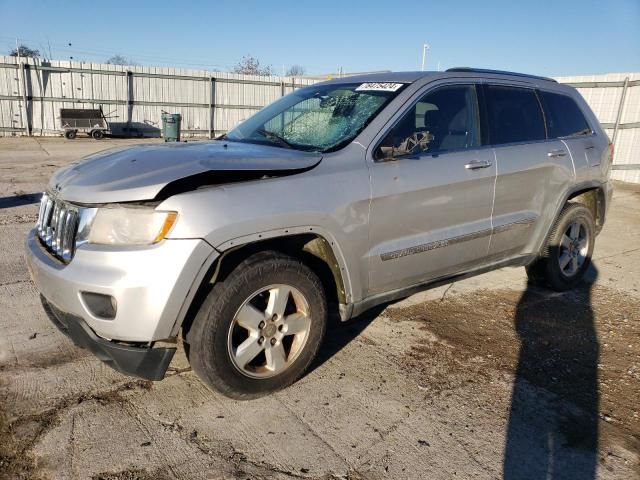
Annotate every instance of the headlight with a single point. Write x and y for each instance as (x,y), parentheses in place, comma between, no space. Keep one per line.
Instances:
(124,226)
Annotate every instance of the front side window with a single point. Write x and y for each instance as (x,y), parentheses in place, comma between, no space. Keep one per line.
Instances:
(564,117)
(514,115)
(317,118)
(442,120)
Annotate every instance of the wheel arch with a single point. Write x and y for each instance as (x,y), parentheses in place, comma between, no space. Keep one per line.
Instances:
(594,198)
(590,194)
(306,244)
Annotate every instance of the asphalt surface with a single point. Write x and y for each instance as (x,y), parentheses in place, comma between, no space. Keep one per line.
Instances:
(486,378)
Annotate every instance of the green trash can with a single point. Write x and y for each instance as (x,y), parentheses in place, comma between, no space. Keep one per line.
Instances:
(171,127)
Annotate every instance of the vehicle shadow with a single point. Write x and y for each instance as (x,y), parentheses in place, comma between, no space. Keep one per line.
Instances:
(340,334)
(553,421)
(19,200)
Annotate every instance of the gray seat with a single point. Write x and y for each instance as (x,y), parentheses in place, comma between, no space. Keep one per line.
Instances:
(456,136)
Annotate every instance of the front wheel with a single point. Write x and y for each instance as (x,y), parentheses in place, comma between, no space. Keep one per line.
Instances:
(259,329)
(567,255)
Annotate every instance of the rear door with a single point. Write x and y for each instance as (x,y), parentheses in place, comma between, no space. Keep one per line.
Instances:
(532,171)
(431,207)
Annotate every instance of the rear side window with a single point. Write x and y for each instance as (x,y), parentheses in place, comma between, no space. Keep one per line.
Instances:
(564,117)
(514,115)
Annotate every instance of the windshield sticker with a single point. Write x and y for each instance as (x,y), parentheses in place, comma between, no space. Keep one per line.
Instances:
(379,87)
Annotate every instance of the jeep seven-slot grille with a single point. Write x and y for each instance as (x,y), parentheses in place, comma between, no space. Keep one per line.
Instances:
(57,226)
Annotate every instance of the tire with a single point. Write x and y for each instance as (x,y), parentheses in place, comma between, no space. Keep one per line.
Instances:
(567,254)
(97,134)
(70,134)
(249,296)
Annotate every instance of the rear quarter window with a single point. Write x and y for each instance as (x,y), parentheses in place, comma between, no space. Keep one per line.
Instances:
(563,115)
(514,115)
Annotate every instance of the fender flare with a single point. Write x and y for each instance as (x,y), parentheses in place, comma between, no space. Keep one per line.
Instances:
(340,268)
(571,192)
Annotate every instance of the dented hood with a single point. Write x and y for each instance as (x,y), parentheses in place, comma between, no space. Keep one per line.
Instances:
(143,171)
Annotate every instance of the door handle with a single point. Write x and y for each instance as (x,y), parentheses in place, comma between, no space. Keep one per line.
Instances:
(476,164)
(556,153)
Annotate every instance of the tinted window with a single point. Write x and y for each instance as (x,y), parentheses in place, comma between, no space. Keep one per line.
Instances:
(514,115)
(564,117)
(444,119)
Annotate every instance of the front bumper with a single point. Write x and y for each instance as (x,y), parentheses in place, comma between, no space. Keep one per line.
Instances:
(143,362)
(152,285)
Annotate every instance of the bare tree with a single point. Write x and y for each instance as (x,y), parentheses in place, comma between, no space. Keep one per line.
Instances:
(120,60)
(296,71)
(24,51)
(250,65)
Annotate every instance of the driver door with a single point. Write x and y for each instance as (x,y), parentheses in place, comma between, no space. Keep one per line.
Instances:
(432,192)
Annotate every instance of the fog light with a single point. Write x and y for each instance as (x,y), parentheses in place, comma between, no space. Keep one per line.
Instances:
(101,306)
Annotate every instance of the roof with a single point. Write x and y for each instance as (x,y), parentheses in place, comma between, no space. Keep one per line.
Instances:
(410,77)
(400,77)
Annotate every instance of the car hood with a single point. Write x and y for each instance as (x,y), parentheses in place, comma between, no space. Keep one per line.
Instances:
(143,171)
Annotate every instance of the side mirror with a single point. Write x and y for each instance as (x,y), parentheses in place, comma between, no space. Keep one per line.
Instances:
(385,153)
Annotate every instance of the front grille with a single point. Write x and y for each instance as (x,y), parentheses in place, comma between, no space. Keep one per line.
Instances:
(57,226)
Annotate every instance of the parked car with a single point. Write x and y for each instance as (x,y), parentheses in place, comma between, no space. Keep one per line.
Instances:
(338,197)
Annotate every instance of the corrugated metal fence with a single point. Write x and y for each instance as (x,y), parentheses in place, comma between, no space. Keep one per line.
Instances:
(615,99)
(33,92)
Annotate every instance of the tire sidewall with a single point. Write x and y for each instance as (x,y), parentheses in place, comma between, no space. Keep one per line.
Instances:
(554,274)
(209,335)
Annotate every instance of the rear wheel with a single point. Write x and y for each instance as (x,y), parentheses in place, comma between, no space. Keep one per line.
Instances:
(567,255)
(259,329)
(69,134)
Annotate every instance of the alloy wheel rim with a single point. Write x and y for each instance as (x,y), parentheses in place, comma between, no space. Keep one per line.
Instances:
(574,247)
(269,331)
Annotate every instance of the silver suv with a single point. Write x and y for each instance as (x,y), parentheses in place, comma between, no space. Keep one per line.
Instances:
(338,197)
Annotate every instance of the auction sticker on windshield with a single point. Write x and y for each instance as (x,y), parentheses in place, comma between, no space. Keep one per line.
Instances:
(379,87)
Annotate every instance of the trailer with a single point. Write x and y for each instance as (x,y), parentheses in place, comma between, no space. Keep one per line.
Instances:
(89,121)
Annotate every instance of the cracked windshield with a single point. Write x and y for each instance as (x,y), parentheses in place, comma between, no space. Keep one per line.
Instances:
(319,118)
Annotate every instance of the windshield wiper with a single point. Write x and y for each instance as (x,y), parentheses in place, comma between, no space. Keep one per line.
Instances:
(274,136)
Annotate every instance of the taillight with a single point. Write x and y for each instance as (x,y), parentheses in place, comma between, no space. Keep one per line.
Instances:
(611,149)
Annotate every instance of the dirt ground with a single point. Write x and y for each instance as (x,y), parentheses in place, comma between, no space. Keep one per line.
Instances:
(486,378)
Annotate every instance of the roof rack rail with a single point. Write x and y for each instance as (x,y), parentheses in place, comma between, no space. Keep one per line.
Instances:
(498,72)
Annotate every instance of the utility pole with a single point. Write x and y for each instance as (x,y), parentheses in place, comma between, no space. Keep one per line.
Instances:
(24,113)
(18,54)
(425,47)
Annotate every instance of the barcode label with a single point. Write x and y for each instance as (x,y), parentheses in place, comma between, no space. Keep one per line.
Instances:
(379,87)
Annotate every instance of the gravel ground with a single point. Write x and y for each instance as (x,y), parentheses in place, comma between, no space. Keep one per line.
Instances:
(487,378)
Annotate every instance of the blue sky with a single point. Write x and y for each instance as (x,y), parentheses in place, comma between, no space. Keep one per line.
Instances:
(562,37)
